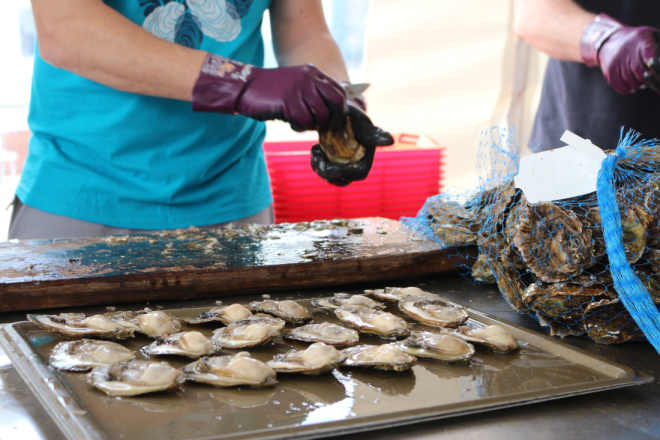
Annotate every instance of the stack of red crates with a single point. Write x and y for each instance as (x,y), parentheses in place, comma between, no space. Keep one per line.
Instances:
(402,178)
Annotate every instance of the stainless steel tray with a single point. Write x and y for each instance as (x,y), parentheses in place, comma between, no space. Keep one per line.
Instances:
(346,400)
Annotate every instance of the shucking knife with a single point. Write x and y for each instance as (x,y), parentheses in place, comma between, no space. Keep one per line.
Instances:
(355,90)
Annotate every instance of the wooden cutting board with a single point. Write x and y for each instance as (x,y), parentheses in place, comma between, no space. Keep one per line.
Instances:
(190,263)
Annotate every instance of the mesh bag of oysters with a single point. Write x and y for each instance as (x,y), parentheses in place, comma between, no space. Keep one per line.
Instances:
(586,265)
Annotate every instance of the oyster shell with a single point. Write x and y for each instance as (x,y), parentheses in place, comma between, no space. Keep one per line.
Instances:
(438,346)
(85,354)
(433,312)
(226,315)
(190,344)
(481,271)
(148,322)
(76,325)
(608,322)
(133,377)
(396,294)
(373,322)
(247,333)
(344,299)
(512,285)
(290,311)
(316,359)
(494,336)
(381,357)
(453,224)
(331,334)
(229,371)
(262,317)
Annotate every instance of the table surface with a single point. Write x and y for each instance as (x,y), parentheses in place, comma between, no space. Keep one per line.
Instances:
(632,412)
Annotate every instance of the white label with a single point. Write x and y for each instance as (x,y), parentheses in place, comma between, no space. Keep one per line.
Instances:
(562,173)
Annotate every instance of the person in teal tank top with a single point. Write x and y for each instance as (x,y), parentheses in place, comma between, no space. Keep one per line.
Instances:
(116,146)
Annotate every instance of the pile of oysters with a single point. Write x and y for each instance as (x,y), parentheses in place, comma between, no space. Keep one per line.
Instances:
(223,360)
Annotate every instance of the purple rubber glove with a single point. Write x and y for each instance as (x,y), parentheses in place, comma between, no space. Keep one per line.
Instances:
(623,53)
(303,96)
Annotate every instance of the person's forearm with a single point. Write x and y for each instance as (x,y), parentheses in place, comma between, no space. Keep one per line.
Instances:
(552,26)
(95,41)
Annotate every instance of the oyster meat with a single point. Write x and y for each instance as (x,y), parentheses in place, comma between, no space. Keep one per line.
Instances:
(230,371)
(373,322)
(85,354)
(76,325)
(290,311)
(396,294)
(190,344)
(494,336)
(344,299)
(438,346)
(226,315)
(433,312)
(247,333)
(381,357)
(133,377)
(148,322)
(316,359)
(328,333)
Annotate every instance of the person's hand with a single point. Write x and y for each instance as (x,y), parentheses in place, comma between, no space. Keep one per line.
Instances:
(303,96)
(626,55)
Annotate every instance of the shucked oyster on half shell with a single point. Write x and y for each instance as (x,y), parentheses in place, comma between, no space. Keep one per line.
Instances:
(85,354)
(76,325)
(328,333)
(288,310)
(494,336)
(344,299)
(133,377)
(149,322)
(229,371)
(433,312)
(381,357)
(396,294)
(190,344)
(226,315)
(373,322)
(262,317)
(438,346)
(316,359)
(247,333)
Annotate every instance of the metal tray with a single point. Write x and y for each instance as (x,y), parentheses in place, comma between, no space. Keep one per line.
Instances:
(346,400)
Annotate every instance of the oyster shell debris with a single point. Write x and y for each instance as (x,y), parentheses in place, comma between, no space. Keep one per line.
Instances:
(230,371)
(326,332)
(438,346)
(85,354)
(373,322)
(148,322)
(494,336)
(396,294)
(134,377)
(316,359)
(189,344)
(247,333)
(344,299)
(77,325)
(226,315)
(288,310)
(381,357)
(433,312)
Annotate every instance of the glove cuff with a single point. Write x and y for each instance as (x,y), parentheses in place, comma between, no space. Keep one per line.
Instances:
(595,34)
(220,84)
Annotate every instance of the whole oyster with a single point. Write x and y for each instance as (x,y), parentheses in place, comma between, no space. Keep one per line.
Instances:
(373,322)
(189,344)
(133,377)
(433,312)
(437,346)
(494,336)
(316,359)
(148,322)
(76,325)
(229,371)
(226,315)
(290,311)
(344,299)
(331,334)
(85,354)
(381,357)
(396,294)
(246,333)
(481,271)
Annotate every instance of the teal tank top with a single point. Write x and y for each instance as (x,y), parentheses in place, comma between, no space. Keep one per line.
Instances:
(133,161)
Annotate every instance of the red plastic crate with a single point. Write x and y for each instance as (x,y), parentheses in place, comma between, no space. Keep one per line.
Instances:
(402,178)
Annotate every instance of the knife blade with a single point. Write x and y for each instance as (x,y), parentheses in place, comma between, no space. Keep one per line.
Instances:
(355,90)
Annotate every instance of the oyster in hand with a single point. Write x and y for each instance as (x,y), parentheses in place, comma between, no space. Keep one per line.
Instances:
(226,315)
(373,322)
(344,299)
(148,322)
(85,354)
(331,334)
(189,344)
(134,377)
(290,311)
(316,359)
(438,346)
(496,337)
(231,371)
(433,312)
(380,357)
(76,325)
(247,333)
